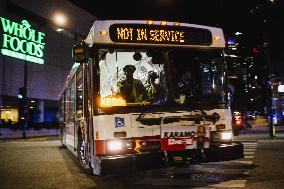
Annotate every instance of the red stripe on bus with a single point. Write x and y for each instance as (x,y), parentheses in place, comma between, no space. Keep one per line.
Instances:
(100,146)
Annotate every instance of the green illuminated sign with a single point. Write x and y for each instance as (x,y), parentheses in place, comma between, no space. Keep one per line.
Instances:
(21,41)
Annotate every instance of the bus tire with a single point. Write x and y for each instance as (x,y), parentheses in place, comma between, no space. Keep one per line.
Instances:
(82,154)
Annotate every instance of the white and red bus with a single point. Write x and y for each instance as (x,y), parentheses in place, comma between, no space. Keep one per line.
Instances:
(189,116)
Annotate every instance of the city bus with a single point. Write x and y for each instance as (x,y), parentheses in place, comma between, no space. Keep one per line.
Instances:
(111,120)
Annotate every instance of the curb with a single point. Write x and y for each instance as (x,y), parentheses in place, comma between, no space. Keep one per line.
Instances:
(6,133)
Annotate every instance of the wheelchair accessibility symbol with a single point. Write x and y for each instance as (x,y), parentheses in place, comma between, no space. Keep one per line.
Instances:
(119,122)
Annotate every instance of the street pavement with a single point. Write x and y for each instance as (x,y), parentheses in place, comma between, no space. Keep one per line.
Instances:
(260,133)
(40,163)
(269,165)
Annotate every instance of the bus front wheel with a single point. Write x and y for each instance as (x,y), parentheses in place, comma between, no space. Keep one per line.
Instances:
(82,153)
(93,168)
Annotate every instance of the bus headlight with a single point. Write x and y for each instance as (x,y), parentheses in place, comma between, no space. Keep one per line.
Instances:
(114,145)
(226,135)
(117,145)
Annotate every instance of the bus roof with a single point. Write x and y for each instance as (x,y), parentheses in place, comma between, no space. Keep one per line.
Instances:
(154,34)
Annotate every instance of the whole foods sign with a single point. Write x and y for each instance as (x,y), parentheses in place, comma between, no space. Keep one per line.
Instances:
(21,41)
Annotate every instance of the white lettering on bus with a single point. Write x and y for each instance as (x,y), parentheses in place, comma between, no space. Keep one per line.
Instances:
(179,134)
(180,141)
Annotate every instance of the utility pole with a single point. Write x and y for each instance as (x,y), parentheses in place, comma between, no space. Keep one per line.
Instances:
(269,75)
(269,88)
(25,99)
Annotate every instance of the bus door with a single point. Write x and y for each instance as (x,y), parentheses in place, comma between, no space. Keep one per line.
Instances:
(79,103)
(70,115)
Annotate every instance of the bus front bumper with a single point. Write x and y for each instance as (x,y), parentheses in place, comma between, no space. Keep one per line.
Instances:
(222,152)
(152,160)
(130,162)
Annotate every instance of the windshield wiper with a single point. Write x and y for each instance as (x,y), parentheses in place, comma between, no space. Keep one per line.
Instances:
(143,113)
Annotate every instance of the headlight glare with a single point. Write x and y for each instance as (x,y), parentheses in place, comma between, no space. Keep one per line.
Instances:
(226,135)
(114,145)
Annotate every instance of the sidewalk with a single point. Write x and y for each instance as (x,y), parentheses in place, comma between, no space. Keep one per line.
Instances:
(260,132)
(6,133)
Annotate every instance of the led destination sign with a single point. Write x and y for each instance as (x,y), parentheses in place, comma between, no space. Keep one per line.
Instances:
(21,41)
(155,34)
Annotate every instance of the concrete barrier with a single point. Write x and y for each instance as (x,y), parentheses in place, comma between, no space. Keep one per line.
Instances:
(6,133)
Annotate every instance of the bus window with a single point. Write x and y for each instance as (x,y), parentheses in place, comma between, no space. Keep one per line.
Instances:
(79,94)
(198,77)
(213,78)
(116,89)
(72,100)
(62,108)
(67,104)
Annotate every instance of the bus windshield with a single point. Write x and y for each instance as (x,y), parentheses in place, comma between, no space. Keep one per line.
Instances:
(198,77)
(159,77)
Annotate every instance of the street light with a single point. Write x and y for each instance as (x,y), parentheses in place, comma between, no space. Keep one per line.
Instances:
(60,20)
(59,30)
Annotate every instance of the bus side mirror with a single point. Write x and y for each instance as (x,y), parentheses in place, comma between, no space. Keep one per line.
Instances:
(80,53)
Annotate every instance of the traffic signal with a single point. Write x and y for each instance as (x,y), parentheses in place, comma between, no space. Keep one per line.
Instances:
(255,50)
(21,93)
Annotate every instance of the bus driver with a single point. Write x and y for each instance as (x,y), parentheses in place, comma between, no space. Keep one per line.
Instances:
(131,89)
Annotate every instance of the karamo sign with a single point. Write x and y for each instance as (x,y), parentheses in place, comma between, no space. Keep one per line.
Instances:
(21,41)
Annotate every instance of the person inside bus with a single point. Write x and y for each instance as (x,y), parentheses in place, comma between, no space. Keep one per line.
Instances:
(132,90)
(186,88)
(152,87)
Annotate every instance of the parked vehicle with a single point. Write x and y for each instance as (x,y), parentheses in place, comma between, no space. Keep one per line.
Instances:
(238,122)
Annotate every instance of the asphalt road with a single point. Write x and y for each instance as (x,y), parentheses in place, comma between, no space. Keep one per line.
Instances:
(44,163)
(40,164)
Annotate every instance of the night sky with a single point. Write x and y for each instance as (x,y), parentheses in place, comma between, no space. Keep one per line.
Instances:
(251,17)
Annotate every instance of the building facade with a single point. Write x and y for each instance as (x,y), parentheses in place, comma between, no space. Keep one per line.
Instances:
(33,49)
(255,76)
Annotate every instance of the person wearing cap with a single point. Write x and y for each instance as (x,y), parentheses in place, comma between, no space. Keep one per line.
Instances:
(152,88)
(131,89)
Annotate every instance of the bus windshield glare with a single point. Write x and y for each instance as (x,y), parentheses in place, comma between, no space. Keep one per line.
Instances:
(159,77)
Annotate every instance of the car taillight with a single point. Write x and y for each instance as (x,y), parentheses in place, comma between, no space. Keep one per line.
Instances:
(238,122)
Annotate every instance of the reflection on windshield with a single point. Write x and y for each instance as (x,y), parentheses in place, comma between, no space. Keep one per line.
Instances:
(197,77)
(131,77)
